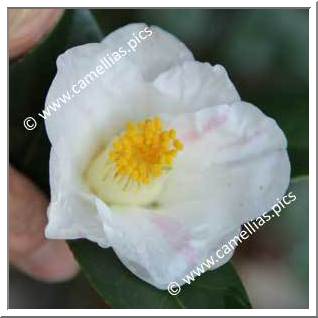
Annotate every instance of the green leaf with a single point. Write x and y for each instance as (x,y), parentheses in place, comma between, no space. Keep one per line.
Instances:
(29,81)
(120,288)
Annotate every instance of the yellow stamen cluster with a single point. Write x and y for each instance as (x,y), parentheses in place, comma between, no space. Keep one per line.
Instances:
(144,151)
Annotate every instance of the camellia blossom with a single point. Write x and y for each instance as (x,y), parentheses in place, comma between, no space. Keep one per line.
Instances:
(158,158)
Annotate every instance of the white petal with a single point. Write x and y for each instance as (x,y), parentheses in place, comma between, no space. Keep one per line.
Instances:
(72,213)
(234,159)
(195,86)
(158,247)
(155,54)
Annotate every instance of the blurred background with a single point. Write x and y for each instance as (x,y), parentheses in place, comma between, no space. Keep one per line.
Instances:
(265,52)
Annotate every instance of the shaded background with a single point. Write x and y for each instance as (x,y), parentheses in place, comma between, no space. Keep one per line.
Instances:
(265,52)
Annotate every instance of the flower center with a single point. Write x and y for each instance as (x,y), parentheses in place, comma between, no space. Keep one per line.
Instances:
(133,168)
(144,151)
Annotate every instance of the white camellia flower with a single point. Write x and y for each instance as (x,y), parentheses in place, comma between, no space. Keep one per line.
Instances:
(158,158)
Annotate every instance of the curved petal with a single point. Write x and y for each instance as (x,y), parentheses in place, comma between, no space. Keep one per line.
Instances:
(72,213)
(195,86)
(234,157)
(158,52)
(158,247)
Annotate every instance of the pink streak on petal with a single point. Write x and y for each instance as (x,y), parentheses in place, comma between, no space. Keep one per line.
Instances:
(177,236)
(211,125)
